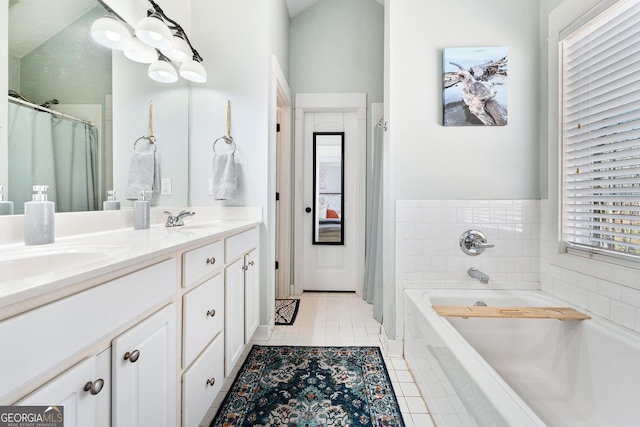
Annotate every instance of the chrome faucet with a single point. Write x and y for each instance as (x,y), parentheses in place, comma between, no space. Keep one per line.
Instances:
(176,221)
(477,274)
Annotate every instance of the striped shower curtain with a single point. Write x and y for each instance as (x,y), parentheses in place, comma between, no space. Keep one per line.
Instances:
(57,152)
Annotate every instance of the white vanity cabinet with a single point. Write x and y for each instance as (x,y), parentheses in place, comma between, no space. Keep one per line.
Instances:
(84,391)
(144,372)
(44,339)
(148,344)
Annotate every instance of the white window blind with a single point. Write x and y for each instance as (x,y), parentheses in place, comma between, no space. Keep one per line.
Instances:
(601,133)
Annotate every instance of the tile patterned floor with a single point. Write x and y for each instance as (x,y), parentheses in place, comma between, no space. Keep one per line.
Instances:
(334,319)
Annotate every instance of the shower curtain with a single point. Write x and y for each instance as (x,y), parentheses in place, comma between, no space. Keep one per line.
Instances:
(57,152)
(373,251)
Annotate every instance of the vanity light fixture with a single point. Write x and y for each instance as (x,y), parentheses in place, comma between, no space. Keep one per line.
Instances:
(162,71)
(141,52)
(181,51)
(110,32)
(158,41)
(193,71)
(154,32)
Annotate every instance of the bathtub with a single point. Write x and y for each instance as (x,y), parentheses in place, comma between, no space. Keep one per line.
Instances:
(520,372)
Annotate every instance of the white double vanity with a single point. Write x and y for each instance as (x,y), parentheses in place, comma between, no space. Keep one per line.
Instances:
(128,327)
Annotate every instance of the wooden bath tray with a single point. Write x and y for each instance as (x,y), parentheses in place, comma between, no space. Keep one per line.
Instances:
(560,313)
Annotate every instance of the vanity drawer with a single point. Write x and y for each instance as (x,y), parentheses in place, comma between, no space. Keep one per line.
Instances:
(198,263)
(41,339)
(203,312)
(202,382)
(241,243)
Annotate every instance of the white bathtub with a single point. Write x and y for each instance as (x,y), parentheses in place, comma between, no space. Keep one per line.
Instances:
(520,372)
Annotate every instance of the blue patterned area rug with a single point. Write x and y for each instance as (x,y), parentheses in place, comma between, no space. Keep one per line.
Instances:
(286,311)
(311,387)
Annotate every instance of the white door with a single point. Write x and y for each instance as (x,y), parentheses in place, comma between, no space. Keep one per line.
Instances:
(331,267)
(144,372)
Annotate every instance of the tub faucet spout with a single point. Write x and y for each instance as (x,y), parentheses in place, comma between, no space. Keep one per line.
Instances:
(477,274)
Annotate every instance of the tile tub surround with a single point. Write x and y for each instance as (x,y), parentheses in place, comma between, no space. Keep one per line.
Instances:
(428,254)
(603,295)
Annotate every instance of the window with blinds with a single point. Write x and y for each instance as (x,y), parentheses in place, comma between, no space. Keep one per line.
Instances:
(601,133)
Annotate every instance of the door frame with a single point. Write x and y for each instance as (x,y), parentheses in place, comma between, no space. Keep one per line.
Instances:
(329,102)
(284,208)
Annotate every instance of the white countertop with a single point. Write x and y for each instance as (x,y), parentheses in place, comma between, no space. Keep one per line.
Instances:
(73,263)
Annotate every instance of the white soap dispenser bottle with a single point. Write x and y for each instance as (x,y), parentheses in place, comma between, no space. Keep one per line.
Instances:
(111,204)
(39,217)
(6,207)
(141,212)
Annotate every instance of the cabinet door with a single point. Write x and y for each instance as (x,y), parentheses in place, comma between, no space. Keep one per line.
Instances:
(234,314)
(84,391)
(251,294)
(144,372)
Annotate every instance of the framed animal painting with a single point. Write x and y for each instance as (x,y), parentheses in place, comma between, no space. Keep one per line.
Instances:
(475,86)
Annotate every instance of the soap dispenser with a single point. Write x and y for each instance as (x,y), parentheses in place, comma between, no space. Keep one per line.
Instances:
(141,212)
(111,204)
(6,207)
(39,216)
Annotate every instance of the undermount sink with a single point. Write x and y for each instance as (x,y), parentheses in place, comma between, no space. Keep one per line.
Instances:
(38,262)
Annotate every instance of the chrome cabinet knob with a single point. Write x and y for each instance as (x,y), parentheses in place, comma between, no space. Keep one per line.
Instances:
(133,356)
(245,267)
(251,262)
(211,312)
(211,381)
(94,387)
(211,260)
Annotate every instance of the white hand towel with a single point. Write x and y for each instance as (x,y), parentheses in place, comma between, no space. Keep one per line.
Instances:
(143,174)
(224,176)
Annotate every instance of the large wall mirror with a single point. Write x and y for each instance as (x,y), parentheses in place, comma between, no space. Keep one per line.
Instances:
(53,60)
(328,185)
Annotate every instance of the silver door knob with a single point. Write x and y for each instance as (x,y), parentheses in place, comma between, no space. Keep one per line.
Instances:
(133,356)
(211,381)
(94,387)
(211,312)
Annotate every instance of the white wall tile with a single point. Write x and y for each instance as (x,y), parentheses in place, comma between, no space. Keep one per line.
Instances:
(429,256)
(624,314)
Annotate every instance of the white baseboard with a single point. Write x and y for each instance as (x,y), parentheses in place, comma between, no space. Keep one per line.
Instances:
(263,332)
(392,348)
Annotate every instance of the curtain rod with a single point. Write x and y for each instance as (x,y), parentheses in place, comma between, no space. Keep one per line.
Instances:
(47,110)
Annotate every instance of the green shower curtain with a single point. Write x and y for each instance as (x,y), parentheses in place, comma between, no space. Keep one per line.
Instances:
(373,250)
(57,152)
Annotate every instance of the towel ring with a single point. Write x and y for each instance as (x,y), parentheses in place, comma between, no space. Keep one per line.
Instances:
(150,139)
(228,139)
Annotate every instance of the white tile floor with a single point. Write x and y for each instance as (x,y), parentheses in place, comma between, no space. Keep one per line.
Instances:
(334,319)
